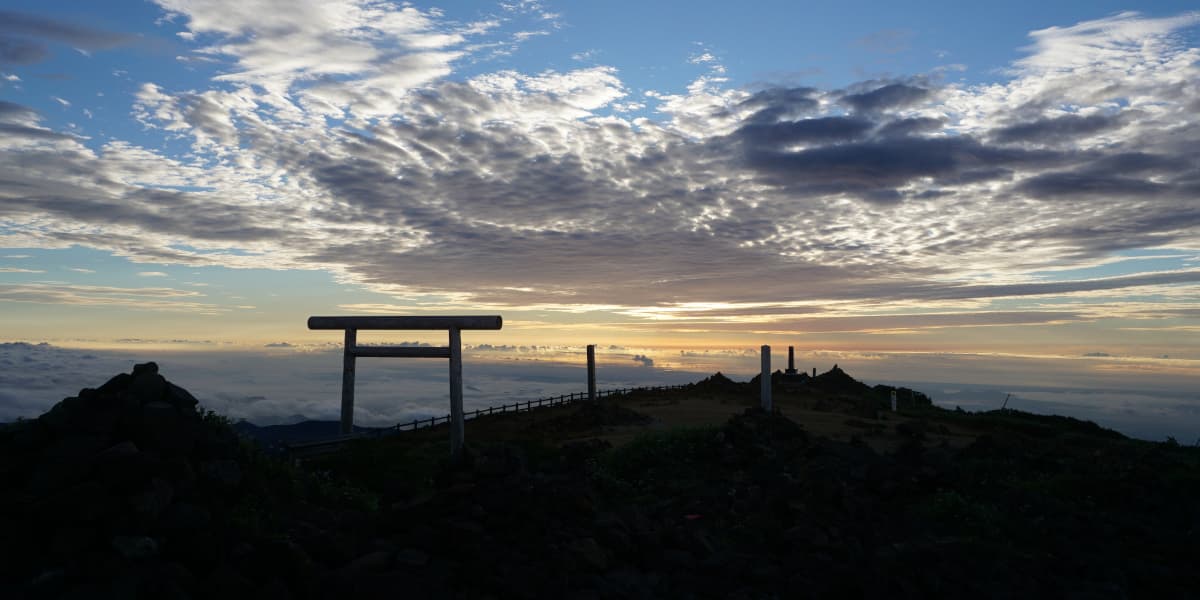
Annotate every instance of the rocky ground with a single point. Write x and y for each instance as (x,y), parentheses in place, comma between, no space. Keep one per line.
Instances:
(129,491)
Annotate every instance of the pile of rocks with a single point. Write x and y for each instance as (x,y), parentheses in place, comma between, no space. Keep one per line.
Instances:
(115,492)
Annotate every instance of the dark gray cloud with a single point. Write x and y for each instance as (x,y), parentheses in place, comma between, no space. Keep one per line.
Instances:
(911,126)
(1063,129)
(17,51)
(79,36)
(1072,184)
(886,323)
(818,130)
(645,361)
(22,37)
(34,133)
(779,104)
(888,163)
(1143,163)
(11,112)
(886,97)
(1052,288)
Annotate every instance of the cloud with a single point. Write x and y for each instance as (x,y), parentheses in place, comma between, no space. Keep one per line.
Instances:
(21,125)
(273,387)
(1059,129)
(151,274)
(886,97)
(347,137)
(279,345)
(159,299)
(15,51)
(346,52)
(22,35)
(646,361)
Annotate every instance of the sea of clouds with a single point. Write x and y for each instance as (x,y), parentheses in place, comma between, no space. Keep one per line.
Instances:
(279,386)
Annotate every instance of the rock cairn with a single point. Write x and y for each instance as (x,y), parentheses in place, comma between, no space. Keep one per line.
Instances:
(112,492)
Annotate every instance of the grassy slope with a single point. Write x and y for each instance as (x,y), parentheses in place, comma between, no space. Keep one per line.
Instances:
(1013,499)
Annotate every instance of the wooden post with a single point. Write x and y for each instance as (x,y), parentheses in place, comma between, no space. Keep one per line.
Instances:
(348,381)
(456,395)
(591,353)
(766,378)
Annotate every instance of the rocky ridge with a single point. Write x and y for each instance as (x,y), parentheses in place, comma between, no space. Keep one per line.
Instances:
(129,491)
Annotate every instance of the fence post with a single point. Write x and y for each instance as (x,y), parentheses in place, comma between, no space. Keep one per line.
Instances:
(766,378)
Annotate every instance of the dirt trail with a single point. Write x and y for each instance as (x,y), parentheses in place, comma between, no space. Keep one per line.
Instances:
(699,410)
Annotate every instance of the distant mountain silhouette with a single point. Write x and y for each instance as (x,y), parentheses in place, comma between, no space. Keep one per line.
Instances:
(837,380)
(717,381)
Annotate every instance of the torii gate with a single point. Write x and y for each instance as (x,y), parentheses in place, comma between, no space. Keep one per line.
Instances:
(453,351)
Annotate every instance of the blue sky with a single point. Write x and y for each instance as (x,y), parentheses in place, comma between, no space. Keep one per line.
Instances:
(1009,180)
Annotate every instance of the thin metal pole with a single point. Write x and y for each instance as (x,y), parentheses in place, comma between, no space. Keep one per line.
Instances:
(348,382)
(591,372)
(456,395)
(766,378)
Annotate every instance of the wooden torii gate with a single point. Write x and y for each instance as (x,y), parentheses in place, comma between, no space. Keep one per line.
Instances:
(453,351)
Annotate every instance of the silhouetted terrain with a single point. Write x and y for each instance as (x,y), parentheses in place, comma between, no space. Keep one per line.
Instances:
(304,431)
(128,491)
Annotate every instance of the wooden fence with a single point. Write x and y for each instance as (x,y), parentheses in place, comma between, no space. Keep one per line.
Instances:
(529,405)
(302,451)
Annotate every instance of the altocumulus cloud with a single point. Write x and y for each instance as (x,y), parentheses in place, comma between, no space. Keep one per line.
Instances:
(366,152)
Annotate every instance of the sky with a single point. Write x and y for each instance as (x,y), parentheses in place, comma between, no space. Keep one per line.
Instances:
(987,195)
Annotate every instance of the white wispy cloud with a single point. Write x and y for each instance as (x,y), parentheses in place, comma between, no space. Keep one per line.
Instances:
(157,299)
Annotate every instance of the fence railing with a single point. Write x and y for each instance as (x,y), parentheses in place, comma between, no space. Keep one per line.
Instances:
(529,405)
